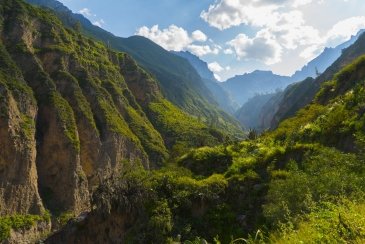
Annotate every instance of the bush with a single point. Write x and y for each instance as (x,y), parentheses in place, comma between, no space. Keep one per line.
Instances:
(207,161)
(17,222)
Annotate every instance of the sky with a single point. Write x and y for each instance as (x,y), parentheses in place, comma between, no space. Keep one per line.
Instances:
(233,36)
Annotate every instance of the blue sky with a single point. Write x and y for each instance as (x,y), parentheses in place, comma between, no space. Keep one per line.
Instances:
(233,36)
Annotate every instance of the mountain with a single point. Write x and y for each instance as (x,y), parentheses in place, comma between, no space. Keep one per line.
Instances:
(244,87)
(324,60)
(297,95)
(92,151)
(250,113)
(301,94)
(221,96)
(300,183)
(200,66)
(179,81)
(73,113)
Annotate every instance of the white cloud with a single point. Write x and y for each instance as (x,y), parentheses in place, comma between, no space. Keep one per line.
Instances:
(217,77)
(228,51)
(290,30)
(311,52)
(200,51)
(298,3)
(279,29)
(175,38)
(99,23)
(344,29)
(215,67)
(262,48)
(86,12)
(225,14)
(229,13)
(199,36)
(172,38)
(280,26)
(339,33)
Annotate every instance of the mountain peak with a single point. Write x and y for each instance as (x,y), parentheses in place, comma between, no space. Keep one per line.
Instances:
(263,72)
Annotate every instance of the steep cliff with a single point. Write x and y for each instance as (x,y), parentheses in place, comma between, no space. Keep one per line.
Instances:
(73,112)
(302,181)
(180,83)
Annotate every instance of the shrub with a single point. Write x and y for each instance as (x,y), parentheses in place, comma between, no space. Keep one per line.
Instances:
(207,160)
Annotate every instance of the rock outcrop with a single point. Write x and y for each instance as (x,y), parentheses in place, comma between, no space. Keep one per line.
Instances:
(72,113)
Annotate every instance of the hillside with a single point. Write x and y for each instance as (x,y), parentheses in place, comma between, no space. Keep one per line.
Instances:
(199,65)
(95,148)
(250,114)
(287,103)
(299,95)
(224,100)
(179,81)
(72,113)
(303,182)
(264,115)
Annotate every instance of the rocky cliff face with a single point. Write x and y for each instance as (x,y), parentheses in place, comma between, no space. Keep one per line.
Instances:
(72,112)
(18,149)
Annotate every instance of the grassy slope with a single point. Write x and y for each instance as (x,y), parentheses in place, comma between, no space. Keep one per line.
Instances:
(96,61)
(301,182)
(179,81)
(301,94)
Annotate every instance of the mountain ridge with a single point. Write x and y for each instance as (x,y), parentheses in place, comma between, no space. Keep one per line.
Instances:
(74,113)
(222,97)
(179,81)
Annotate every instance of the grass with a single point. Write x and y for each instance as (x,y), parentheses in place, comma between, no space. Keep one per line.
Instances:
(66,116)
(17,222)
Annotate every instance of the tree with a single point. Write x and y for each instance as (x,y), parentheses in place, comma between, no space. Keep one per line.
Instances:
(77,26)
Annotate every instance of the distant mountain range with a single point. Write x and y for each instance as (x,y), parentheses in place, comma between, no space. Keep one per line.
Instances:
(243,87)
(324,60)
(287,103)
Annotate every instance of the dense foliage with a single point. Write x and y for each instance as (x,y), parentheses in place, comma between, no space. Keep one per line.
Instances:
(303,182)
(179,81)
(17,222)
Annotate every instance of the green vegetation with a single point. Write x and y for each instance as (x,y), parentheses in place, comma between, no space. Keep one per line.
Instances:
(179,81)
(67,118)
(302,183)
(63,218)
(329,223)
(115,120)
(27,125)
(16,222)
(181,131)
(83,79)
(151,140)
(207,161)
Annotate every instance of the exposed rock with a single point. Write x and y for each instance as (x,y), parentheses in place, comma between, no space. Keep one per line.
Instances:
(29,235)
(18,175)
(95,229)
